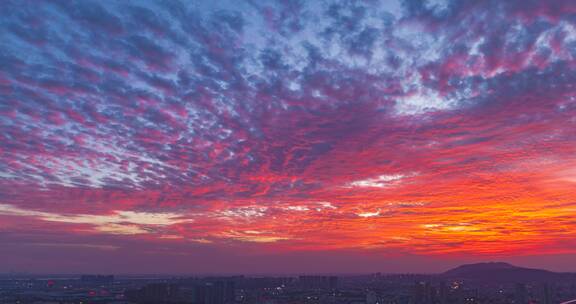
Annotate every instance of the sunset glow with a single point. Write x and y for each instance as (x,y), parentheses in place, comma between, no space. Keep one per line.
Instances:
(282,130)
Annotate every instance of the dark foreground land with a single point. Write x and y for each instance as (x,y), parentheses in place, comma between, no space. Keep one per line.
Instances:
(495,283)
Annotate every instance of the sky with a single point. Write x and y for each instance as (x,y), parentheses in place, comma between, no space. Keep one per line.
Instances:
(286,136)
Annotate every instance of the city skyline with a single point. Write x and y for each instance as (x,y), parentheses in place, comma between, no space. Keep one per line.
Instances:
(501,283)
(286,136)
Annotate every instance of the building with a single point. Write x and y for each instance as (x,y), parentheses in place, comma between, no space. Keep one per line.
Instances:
(520,294)
(214,292)
(547,294)
(423,293)
(156,293)
(97,279)
(318,282)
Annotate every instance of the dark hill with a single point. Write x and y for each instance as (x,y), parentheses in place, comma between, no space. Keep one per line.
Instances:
(504,272)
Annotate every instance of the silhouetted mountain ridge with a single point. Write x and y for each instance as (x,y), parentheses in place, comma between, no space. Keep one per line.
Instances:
(504,272)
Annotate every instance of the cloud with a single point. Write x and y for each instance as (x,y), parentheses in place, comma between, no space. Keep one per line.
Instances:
(176,123)
(381,181)
(369,214)
(121,222)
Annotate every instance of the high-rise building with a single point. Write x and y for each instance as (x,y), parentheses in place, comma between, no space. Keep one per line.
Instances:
(547,295)
(318,282)
(97,279)
(214,292)
(423,293)
(520,294)
(156,293)
(443,293)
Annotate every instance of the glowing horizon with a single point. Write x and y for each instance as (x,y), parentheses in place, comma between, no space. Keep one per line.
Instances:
(287,134)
